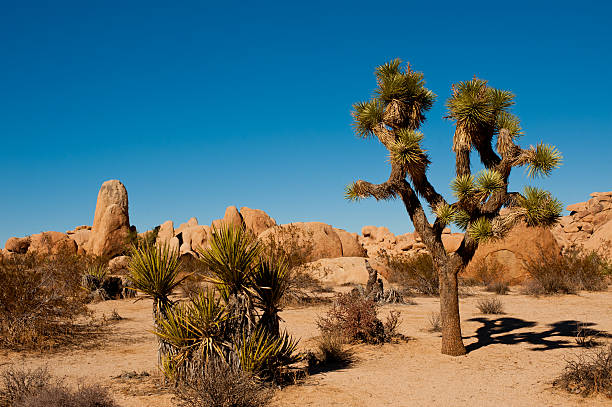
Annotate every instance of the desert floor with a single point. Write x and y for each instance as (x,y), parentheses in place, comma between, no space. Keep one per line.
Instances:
(512,360)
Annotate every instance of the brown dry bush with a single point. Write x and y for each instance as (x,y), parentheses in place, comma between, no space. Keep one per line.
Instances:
(40,299)
(492,274)
(490,306)
(435,322)
(36,388)
(355,317)
(569,273)
(221,384)
(589,373)
(415,274)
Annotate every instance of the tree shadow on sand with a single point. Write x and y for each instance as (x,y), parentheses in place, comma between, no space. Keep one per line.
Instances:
(559,335)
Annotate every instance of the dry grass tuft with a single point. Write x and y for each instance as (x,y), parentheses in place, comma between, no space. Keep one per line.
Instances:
(590,373)
(221,384)
(415,274)
(490,305)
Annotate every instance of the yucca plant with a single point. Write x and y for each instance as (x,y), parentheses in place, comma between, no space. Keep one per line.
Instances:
(271,280)
(481,114)
(154,271)
(195,330)
(263,354)
(231,260)
(94,276)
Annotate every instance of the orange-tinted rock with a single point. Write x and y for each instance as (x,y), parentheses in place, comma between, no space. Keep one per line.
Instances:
(17,244)
(521,243)
(111,225)
(256,220)
(350,244)
(52,243)
(321,237)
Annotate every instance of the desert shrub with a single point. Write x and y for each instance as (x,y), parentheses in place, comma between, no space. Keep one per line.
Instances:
(589,373)
(498,287)
(40,298)
(491,274)
(16,384)
(569,273)
(490,306)
(435,322)
(416,273)
(355,317)
(62,396)
(36,388)
(585,336)
(285,244)
(331,352)
(221,384)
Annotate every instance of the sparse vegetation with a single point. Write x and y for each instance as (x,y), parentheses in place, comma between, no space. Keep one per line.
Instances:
(491,305)
(568,273)
(491,274)
(36,388)
(415,274)
(331,352)
(355,317)
(40,299)
(222,384)
(435,322)
(589,373)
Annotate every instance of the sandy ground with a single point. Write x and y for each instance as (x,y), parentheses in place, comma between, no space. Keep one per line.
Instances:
(512,360)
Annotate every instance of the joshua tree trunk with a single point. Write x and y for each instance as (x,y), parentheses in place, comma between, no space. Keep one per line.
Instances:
(452,343)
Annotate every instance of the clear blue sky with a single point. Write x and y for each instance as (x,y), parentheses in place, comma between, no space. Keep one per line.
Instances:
(197,106)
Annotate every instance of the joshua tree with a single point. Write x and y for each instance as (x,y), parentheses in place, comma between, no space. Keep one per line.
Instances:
(481,114)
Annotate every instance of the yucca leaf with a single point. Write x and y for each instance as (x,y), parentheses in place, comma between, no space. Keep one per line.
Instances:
(510,122)
(463,187)
(461,219)
(154,270)
(406,150)
(543,159)
(539,207)
(366,116)
(480,230)
(445,213)
(350,192)
(488,181)
(231,259)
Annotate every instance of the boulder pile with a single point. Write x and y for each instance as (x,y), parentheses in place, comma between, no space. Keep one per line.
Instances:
(589,225)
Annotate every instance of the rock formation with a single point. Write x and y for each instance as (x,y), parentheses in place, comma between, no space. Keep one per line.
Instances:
(111,225)
(588,225)
(256,220)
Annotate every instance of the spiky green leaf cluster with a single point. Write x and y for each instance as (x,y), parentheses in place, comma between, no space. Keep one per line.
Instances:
(445,213)
(463,187)
(261,353)
(405,85)
(480,230)
(366,115)
(543,159)
(510,122)
(270,283)
(196,327)
(461,219)
(231,259)
(407,150)
(154,270)
(487,182)
(539,207)
(350,192)
(474,104)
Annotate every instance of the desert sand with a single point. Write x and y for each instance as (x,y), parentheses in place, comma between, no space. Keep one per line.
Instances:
(512,360)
